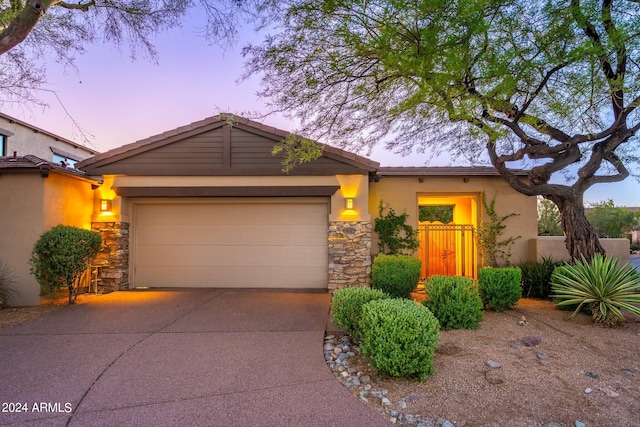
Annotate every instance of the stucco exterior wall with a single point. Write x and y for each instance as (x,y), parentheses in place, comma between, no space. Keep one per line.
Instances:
(554,247)
(403,193)
(22,218)
(26,140)
(33,206)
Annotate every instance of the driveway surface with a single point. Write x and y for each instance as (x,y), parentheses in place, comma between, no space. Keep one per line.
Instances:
(206,357)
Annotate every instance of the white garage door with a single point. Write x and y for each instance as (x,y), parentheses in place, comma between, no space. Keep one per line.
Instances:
(252,244)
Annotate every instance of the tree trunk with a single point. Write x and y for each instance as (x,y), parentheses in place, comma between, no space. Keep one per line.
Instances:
(581,238)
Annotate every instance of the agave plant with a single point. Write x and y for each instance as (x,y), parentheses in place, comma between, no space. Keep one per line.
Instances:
(7,282)
(601,285)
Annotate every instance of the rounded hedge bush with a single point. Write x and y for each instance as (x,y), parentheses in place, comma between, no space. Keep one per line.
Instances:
(400,336)
(397,275)
(454,301)
(500,288)
(346,307)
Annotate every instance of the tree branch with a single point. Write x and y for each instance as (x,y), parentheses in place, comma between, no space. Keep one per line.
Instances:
(21,25)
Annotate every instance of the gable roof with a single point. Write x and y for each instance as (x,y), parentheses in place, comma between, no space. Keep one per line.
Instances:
(220,145)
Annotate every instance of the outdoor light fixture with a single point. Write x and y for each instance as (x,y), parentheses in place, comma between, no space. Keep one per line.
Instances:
(349,203)
(105,205)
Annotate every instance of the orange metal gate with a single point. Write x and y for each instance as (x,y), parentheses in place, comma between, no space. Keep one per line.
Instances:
(448,250)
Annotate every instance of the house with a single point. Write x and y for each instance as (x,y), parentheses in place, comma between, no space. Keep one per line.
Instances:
(207,205)
(40,189)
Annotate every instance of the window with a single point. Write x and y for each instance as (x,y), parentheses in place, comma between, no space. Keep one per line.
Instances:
(64,161)
(3,145)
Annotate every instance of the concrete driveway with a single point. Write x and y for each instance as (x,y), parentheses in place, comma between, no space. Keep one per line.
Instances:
(176,358)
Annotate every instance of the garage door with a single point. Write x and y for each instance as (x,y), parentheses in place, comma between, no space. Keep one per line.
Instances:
(251,245)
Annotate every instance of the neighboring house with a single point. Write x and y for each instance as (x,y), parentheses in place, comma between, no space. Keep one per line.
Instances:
(40,189)
(20,139)
(207,205)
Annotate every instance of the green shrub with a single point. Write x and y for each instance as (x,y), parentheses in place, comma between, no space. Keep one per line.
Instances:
(397,275)
(346,307)
(500,288)
(400,336)
(455,301)
(536,277)
(61,255)
(602,285)
(7,283)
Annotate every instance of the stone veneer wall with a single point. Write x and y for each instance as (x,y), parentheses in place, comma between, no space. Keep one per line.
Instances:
(113,259)
(349,254)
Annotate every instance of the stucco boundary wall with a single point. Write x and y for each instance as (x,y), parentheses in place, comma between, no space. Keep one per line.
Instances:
(349,254)
(554,247)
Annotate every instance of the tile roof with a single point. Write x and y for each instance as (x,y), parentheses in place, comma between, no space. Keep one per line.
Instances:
(33,163)
(443,171)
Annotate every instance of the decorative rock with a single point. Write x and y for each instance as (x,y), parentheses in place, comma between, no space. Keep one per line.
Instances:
(385,401)
(329,337)
(629,370)
(592,374)
(413,398)
(337,350)
(447,424)
(402,404)
(542,355)
(493,364)
(344,374)
(552,424)
(365,379)
(577,423)
(410,418)
(531,341)
(393,420)
(610,392)
(588,390)
(328,347)
(394,413)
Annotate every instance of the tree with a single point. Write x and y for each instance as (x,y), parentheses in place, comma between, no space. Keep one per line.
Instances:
(31,30)
(548,218)
(610,220)
(549,86)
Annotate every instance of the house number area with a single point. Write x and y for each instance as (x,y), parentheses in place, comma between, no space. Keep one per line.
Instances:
(46,407)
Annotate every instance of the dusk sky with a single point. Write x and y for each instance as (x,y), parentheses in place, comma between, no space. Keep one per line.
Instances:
(117,101)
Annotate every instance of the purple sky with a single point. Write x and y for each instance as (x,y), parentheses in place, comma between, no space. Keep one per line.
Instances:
(117,101)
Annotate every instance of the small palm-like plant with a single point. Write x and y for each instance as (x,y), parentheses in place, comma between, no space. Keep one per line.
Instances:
(601,285)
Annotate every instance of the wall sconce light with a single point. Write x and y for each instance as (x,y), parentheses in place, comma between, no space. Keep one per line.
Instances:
(348,203)
(105,205)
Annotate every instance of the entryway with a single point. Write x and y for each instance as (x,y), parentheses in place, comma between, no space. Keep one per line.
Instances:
(447,225)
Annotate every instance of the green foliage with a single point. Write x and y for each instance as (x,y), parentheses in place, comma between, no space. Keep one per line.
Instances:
(548,218)
(7,283)
(536,277)
(611,221)
(400,336)
(454,301)
(545,85)
(394,234)
(396,275)
(494,251)
(296,150)
(61,255)
(346,307)
(601,285)
(444,214)
(500,288)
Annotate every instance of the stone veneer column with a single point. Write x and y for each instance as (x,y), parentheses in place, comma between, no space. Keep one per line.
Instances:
(349,254)
(113,259)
